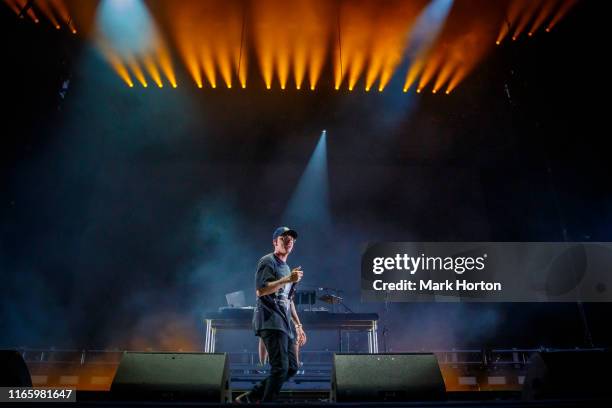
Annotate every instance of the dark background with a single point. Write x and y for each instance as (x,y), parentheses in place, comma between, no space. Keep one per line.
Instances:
(125,214)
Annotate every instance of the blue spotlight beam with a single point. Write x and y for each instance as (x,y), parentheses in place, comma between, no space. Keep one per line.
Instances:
(127,26)
(309,204)
(427,27)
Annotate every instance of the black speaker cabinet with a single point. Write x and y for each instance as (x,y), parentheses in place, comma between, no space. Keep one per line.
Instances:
(13,370)
(386,377)
(173,376)
(568,374)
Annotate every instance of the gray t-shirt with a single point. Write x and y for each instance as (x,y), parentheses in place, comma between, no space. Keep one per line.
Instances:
(272,311)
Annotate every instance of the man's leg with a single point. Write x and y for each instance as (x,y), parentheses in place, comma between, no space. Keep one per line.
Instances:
(263,353)
(277,345)
(293,358)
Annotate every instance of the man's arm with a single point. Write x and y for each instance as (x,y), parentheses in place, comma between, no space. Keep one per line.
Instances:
(294,316)
(273,286)
(298,325)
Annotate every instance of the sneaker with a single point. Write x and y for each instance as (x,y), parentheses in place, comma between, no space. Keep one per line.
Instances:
(244,398)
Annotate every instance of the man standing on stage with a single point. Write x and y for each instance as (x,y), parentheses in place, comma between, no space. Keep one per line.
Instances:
(273,316)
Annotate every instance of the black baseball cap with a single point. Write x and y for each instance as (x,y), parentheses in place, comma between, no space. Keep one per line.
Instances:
(284,231)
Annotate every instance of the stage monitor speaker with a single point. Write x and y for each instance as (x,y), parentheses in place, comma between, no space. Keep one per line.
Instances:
(568,374)
(13,370)
(386,377)
(173,376)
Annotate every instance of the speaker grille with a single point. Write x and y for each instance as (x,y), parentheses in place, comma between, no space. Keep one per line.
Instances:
(386,377)
(173,376)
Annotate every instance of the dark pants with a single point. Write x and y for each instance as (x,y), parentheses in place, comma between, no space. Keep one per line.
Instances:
(281,352)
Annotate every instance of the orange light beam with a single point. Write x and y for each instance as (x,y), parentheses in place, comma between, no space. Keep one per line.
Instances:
(137,71)
(514,10)
(430,70)
(563,10)
(355,69)
(503,32)
(299,66)
(194,69)
(545,11)
(267,68)
(242,72)
(115,62)
(153,71)
(444,75)
(46,10)
(241,67)
(282,67)
(527,15)
(225,67)
(166,66)
(13,5)
(119,68)
(373,71)
(338,77)
(30,11)
(317,59)
(413,72)
(62,11)
(208,66)
(338,66)
(454,82)
(387,73)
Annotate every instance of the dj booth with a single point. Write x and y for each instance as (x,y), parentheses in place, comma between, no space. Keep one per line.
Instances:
(241,318)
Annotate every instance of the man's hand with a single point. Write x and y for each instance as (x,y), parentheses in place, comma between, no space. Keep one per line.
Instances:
(301,336)
(296,274)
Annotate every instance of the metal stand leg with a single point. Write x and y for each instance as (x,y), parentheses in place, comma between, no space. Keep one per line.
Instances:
(208,336)
(375,337)
(348,341)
